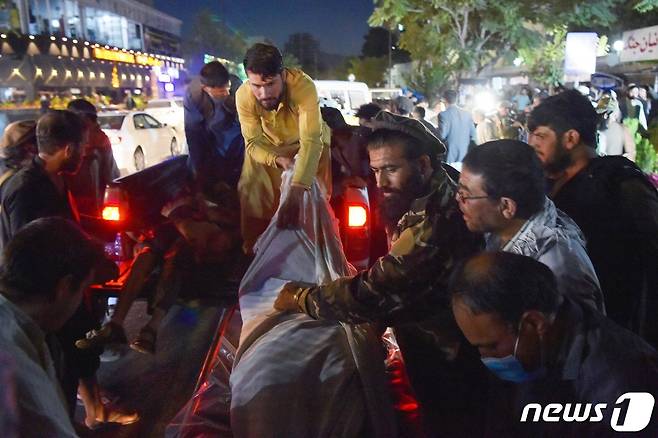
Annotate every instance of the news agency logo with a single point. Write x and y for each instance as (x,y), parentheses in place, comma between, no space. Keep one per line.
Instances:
(631,413)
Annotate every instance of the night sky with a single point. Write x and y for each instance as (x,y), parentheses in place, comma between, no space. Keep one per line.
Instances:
(339,25)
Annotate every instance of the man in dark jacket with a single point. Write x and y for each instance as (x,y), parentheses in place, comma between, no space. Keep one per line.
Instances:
(39,190)
(214,139)
(611,201)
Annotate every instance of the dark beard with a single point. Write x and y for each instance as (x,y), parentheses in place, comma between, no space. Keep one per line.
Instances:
(392,208)
(560,162)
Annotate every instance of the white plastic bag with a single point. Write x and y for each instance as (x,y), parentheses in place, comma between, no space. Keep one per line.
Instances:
(295,376)
(312,254)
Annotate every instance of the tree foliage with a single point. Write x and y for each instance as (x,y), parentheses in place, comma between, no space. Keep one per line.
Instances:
(306,49)
(213,36)
(545,64)
(461,37)
(376,44)
(369,69)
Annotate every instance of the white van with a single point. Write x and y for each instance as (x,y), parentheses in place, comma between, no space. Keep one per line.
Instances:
(349,95)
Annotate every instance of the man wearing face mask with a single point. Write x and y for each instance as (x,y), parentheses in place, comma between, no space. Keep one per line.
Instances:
(212,129)
(553,349)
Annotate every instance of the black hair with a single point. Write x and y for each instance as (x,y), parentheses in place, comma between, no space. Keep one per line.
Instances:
(413,149)
(263,59)
(83,108)
(58,128)
(214,74)
(15,155)
(368,111)
(419,111)
(450,96)
(42,253)
(511,169)
(565,111)
(333,117)
(505,284)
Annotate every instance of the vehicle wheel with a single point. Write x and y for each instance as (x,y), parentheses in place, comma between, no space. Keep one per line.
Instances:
(139,159)
(175,148)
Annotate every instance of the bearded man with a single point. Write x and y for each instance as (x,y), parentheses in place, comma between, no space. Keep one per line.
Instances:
(611,201)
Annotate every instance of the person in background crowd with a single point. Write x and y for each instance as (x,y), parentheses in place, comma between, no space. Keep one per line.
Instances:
(549,349)
(614,137)
(505,124)
(637,109)
(212,128)
(18,147)
(402,105)
(280,118)
(611,201)
(407,288)
(522,99)
(366,112)
(502,194)
(98,167)
(44,103)
(39,190)
(37,299)
(456,128)
(485,129)
(418,113)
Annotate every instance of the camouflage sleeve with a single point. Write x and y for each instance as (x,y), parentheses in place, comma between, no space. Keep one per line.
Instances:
(408,283)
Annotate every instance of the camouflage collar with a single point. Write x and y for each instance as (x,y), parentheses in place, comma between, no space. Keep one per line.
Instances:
(418,209)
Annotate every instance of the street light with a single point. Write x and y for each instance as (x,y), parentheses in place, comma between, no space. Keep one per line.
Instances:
(618,45)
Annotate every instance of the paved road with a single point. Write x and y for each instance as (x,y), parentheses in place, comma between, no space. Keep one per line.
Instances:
(157,386)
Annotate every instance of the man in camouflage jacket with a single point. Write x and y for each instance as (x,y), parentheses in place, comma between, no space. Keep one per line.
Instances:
(407,288)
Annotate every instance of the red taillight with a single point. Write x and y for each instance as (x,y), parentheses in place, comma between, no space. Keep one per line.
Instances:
(111,213)
(115,207)
(357,216)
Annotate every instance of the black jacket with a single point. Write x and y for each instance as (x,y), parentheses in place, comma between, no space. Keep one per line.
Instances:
(617,209)
(28,195)
(595,362)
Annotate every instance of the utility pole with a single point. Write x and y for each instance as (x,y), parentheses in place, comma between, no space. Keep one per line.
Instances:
(390,58)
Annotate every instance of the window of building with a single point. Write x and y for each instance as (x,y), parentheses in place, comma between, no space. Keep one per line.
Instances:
(74,24)
(9,17)
(46,17)
(112,29)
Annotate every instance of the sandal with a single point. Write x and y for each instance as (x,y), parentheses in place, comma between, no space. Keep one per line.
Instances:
(110,333)
(145,341)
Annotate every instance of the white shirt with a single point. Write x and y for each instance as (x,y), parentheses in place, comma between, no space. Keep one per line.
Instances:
(41,406)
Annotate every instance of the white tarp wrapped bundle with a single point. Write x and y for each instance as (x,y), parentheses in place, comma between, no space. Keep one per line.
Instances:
(294,376)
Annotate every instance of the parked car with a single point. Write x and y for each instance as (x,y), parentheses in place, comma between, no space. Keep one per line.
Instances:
(139,140)
(169,111)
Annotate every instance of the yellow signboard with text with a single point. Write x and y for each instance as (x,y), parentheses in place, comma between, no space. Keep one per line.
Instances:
(113,55)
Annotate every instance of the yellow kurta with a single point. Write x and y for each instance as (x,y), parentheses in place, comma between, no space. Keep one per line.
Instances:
(295,127)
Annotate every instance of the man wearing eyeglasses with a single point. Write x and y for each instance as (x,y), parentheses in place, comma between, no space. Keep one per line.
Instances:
(501,193)
(407,288)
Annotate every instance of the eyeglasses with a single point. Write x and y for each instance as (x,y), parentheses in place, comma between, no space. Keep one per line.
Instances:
(459,196)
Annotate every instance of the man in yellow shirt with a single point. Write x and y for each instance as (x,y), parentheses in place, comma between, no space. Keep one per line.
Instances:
(280,118)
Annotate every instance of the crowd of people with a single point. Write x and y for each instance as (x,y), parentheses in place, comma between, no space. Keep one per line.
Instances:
(520,264)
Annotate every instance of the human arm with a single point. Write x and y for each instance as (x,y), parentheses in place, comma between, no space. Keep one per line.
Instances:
(255,143)
(629,144)
(444,126)
(198,137)
(409,282)
(304,95)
